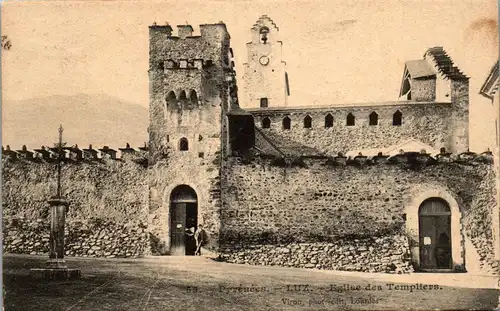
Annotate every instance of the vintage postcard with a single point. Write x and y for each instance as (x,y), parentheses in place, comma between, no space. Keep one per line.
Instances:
(250,155)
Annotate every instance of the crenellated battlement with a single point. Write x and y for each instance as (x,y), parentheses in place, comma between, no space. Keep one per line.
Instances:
(74,153)
(185,32)
(186,51)
(410,158)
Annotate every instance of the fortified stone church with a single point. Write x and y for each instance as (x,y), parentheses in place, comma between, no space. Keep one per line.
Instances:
(379,187)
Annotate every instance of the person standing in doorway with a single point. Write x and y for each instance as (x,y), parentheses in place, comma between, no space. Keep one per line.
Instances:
(189,241)
(201,237)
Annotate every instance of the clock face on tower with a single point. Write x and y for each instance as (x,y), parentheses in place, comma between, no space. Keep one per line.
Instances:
(264,60)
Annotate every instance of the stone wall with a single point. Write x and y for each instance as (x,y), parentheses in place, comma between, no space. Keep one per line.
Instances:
(202,175)
(426,122)
(320,213)
(107,215)
(423,89)
(324,202)
(93,238)
(459,120)
(384,254)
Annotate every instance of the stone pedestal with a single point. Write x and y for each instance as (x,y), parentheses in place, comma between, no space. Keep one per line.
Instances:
(56,265)
(58,274)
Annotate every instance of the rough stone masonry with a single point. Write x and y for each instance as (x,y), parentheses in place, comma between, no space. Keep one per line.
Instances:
(272,185)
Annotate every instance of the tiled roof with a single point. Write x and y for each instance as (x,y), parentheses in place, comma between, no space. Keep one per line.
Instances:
(444,63)
(265,145)
(419,68)
(491,85)
(272,143)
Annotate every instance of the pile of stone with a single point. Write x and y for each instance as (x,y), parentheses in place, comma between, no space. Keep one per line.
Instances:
(90,239)
(384,254)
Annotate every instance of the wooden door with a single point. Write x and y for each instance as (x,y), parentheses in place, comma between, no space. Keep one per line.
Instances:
(427,239)
(435,235)
(178,229)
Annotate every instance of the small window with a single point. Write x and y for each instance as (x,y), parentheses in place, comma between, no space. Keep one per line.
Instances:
(264,103)
(373,118)
(171,96)
(406,91)
(307,122)
(351,120)
(183,144)
(287,123)
(266,123)
(329,120)
(193,97)
(397,118)
(171,100)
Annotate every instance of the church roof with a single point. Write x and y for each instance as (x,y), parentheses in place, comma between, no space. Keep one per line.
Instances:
(490,86)
(444,63)
(272,143)
(419,69)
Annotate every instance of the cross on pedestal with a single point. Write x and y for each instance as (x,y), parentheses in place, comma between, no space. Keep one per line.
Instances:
(56,265)
(58,206)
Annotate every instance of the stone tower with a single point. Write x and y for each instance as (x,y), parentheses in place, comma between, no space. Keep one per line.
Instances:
(265,77)
(189,83)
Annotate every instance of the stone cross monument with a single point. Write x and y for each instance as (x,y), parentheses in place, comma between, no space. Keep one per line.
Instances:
(58,206)
(56,265)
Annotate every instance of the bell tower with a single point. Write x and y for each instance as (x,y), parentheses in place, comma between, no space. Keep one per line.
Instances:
(265,77)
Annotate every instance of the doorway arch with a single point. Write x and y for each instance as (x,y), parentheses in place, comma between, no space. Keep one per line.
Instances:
(457,238)
(183,217)
(434,217)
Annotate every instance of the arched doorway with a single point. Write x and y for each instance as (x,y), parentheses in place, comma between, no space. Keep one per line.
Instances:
(435,234)
(183,217)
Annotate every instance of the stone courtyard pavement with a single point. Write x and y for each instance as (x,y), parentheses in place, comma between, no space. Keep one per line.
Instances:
(198,283)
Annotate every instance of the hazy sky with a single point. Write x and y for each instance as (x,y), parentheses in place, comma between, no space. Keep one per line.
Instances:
(91,47)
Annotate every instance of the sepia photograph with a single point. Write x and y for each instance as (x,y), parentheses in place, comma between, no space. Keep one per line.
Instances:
(250,155)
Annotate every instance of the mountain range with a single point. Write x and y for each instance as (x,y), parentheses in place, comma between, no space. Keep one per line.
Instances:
(87,119)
